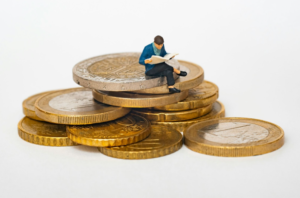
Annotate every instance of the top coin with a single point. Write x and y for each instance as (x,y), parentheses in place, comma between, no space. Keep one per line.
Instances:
(117,72)
(28,106)
(75,107)
(234,137)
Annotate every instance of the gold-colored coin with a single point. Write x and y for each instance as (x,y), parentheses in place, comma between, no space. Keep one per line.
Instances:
(75,106)
(126,130)
(193,79)
(28,106)
(162,141)
(134,100)
(234,137)
(172,116)
(217,111)
(204,94)
(43,133)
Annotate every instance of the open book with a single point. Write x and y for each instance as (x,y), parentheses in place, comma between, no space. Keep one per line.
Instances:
(159,59)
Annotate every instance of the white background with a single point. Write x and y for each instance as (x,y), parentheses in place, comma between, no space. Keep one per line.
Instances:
(250,49)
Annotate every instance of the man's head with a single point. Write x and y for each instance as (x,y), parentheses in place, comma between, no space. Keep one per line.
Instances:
(158,42)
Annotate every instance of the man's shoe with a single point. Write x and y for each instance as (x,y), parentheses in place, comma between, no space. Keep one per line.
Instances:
(174,90)
(182,73)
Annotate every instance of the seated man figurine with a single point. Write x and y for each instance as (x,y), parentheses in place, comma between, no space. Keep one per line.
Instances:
(157,49)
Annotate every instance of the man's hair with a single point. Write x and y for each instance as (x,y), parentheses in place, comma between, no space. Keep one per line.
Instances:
(159,40)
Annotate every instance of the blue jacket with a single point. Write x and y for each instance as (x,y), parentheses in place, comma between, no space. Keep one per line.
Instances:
(147,53)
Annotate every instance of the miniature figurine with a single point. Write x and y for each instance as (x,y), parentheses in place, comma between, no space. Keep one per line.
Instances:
(157,48)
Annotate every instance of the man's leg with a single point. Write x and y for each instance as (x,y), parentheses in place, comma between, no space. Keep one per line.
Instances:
(159,68)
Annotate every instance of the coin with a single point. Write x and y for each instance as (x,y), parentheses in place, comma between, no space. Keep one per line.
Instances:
(204,94)
(28,106)
(117,72)
(126,130)
(134,100)
(172,116)
(162,141)
(43,133)
(193,79)
(234,137)
(217,111)
(75,106)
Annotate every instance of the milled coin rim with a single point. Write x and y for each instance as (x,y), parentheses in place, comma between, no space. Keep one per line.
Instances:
(72,119)
(159,152)
(184,85)
(142,102)
(43,140)
(226,150)
(192,104)
(173,116)
(109,142)
(182,125)
(31,113)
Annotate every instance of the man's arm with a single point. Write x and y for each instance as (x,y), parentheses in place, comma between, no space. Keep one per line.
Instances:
(143,57)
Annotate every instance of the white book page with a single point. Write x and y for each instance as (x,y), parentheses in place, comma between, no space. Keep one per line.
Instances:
(159,59)
(168,56)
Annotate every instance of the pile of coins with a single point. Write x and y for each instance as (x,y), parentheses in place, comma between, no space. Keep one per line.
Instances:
(129,115)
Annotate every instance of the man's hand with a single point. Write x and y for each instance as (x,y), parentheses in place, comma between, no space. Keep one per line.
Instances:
(148,61)
(173,56)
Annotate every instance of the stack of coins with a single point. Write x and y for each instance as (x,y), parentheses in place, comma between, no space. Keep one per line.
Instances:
(129,115)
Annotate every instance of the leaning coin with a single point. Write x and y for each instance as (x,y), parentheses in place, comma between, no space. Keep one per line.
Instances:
(126,130)
(172,116)
(234,137)
(193,79)
(218,111)
(134,100)
(117,72)
(75,106)
(28,106)
(43,133)
(162,141)
(204,94)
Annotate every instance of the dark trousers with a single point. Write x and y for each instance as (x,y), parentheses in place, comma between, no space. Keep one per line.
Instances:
(164,70)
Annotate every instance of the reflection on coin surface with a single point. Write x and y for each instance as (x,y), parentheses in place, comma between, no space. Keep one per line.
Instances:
(76,107)
(172,116)
(43,133)
(217,111)
(126,130)
(117,72)
(28,106)
(193,79)
(234,137)
(134,100)
(204,94)
(162,141)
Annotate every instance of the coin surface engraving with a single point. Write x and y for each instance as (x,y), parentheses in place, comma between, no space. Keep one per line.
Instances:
(162,141)
(79,101)
(233,133)
(43,133)
(126,130)
(117,72)
(234,137)
(75,107)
